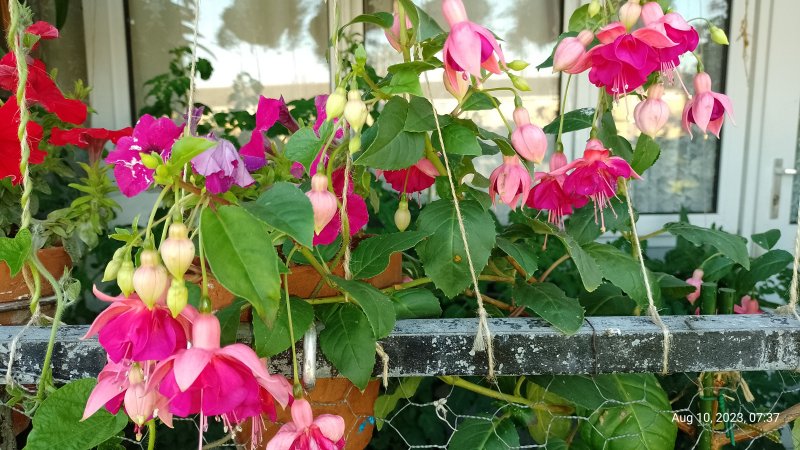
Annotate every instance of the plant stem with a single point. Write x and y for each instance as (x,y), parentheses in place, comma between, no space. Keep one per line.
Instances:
(151,434)
(502,116)
(149,229)
(401,15)
(47,371)
(204,286)
(462,383)
(312,260)
(431,155)
(552,267)
(376,91)
(291,326)
(559,145)
(652,235)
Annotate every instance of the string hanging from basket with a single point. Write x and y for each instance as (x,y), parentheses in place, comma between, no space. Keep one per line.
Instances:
(791,308)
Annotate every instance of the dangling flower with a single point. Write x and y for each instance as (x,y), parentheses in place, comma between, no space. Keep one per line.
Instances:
(305,432)
(570,50)
(357,214)
(697,281)
(548,194)
(469,46)
(748,305)
(528,140)
(90,139)
(129,330)
(595,175)
(10,155)
(393,33)
(707,108)
(511,180)
(223,167)
(323,202)
(150,280)
(416,178)
(269,112)
(112,382)
(229,382)
(150,135)
(676,29)
(652,114)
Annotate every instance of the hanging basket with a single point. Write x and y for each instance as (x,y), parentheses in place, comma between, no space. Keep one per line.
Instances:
(14,293)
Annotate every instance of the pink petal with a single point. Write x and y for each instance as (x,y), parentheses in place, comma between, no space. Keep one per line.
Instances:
(653,38)
(466,48)
(332,427)
(103,392)
(702,107)
(302,416)
(188,366)
(284,439)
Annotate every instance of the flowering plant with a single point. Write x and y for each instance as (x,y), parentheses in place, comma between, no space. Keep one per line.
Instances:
(295,193)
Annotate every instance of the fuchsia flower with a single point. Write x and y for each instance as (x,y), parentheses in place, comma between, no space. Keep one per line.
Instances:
(229,382)
(548,194)
(223,167)
(304,432)
(511,180)
(697,281)
(595,175)
(748,306)
(652,114)
(707,108)
(676,29)
(570,50)
(150,135)
(416,178)
(90,139)
(622,62)
(323,202)
(269,112)
(10,152)
(469,46)
(357,214)
(128,330)
(529,140)
(393,33)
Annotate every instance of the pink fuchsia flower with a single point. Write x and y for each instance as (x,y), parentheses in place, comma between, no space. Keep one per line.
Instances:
(393,33)
(707,108)
(304,432)
(150,135)
(357,214)
(676,29)
(652,114)
(128,330)
(416,178)
(90,139)
(10,152)
(323,202)
(595,175)
(548,194)
(748,306)
(528,140)
(469,46)
(223,167)
(511,181)
(697,281)
(570,50)
(229,382)
(269,112)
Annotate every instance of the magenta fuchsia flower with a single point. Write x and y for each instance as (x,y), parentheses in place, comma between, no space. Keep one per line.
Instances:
(548,194)
(357,214)
(223,167)
(128,330)
(707,108)
(469,46)
(748,305)
(528,140)
(269,112)
(304,432)
(595,175)
(652,114)
(697,281)
(570,50)
(511,181)
(674,27)
(416,178)
(229,382)
(150,135)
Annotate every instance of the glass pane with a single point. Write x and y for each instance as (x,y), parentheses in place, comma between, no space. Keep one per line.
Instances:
(686,174)
(272,51)
(796,182)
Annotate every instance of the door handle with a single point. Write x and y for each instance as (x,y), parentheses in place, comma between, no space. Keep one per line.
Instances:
(777,173)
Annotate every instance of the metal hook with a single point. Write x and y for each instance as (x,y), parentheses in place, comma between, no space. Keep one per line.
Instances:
(310,358)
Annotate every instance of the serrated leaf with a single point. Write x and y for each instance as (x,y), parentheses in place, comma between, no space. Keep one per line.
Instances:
(304,146)
(673,286)
(348,342)
(584,224)
(578,119)
(645,154)
(393,148)
(580,20)
(375,304)
(623,271)
(484,434)
(425,27)
(286,208)
(418,303)
(458,140)
(523,254)
(404,81)
(732,246)
(269,341)
(14,251)
(420,116)
(767,239)
(551,304)
(771,263)
(478,101)
(186,148)
(371,257)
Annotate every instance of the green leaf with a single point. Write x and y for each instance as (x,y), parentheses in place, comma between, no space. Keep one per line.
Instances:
(796,434)
(14,251)
(57,423)
(348,342)
(404,81)
(591,276)
(425,27)
(623,271)
(186,148)
(584,224)
(580,20)
(458,140)
(771,263)
(443,255)
(386,403)
(269,341)
(732,246)
(304,146)
(578,119)
(229,319)
(767,239)
(418,303)
(646,154)
(716,267)
(484,434)
(240,253)
(420,116)
(545,425)
(551,304)
(286,208)
(375,304)
(393,147)
(382,19)
(672,286)
(371,257)
(607,300)
(522,253)
(478,101)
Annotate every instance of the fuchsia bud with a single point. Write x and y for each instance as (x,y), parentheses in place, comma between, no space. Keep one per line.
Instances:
(177,251)
(322,201)
(557,161)
(459,90)
(454,11)
(393,33)
(652,114)
(177,296)
(355,111)
(206,332)
(402,217)
(140,404)
(150,279)
(629,13)
(570,50)
(334,106)
(529,140)
(125,277)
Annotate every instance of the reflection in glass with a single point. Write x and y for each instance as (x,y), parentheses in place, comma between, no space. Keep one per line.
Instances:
(796,181)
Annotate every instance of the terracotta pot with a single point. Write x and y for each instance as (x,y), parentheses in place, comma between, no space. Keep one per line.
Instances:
(331,396)
(14,294)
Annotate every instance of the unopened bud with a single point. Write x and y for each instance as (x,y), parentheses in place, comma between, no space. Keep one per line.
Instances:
(517,65)
(402,217)
(718,35)
(456,85)
(112,268)
(629,13)
(323,202)
(177,296)
(149,160)
(355,111)
(150,279)
(594,8)
(177,251)
(125,278)
(355,143)
(334,107)
(519,82)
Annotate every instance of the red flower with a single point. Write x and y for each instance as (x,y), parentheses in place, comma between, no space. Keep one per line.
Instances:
(90,139)
(416,178)
(10,155)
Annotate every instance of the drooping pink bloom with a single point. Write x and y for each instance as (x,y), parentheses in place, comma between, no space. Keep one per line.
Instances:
(469,46)
(697,281)
(127,329)
(112,382)
(90,139)
(595,175)
(304,432)
(570,50)
(676,29)
(393,33)
(223,167)
(548,194)
(652,114)
(707,108)
(416,178)
(357,214)
(269,112)
(528,140)
(511,181)
(150,135)
(323,202)
(229,382)
(10,151)
(748,306)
